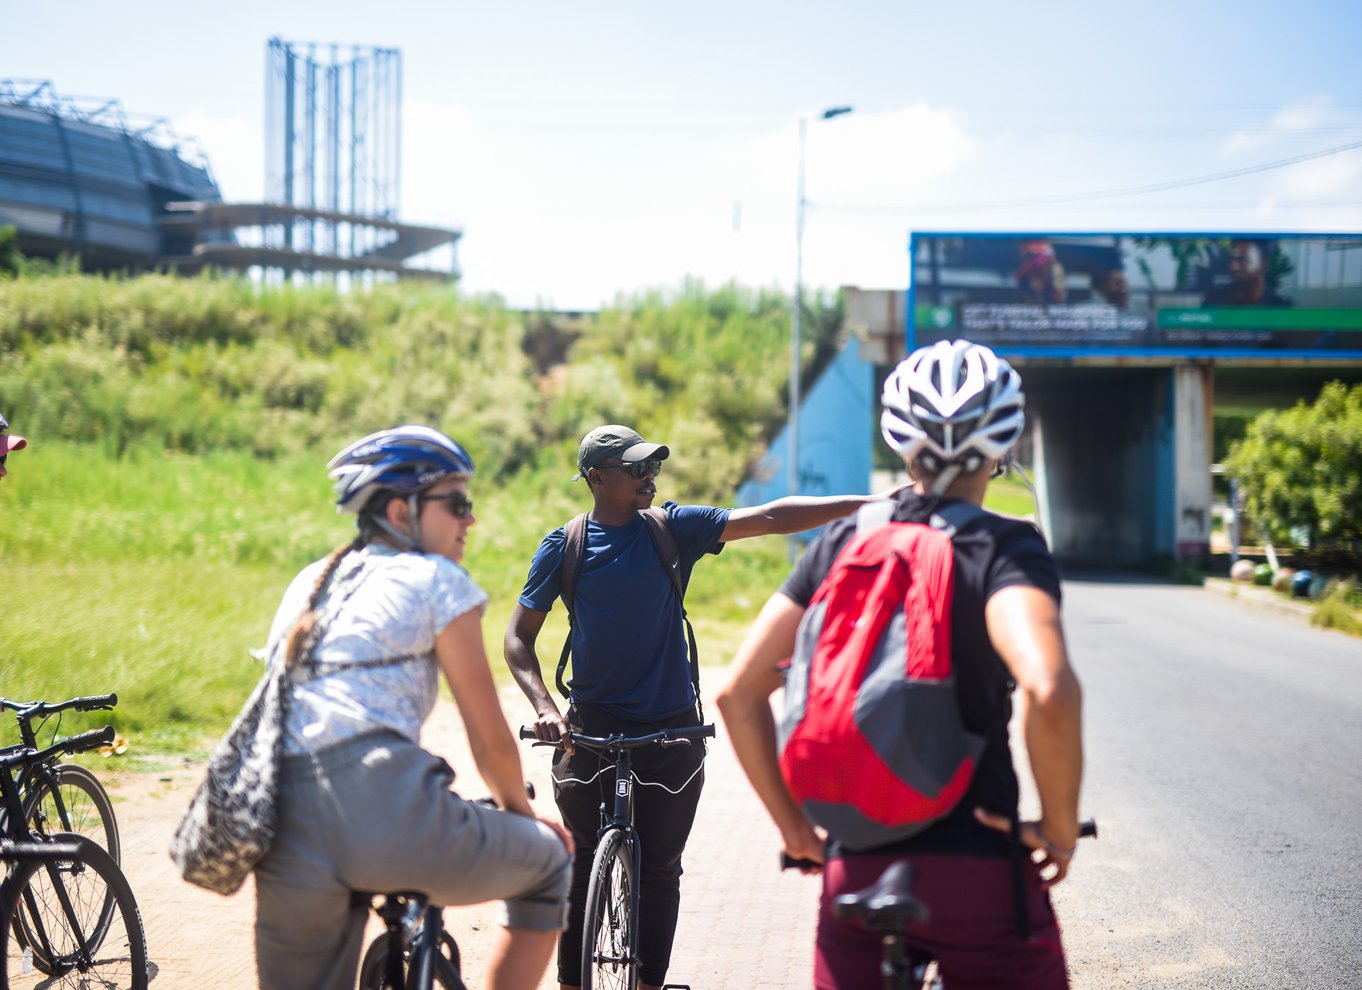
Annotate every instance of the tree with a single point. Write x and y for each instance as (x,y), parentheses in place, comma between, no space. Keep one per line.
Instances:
(1302,468)
(10,258)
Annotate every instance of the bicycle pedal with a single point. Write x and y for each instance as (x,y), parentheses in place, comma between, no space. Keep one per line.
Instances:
(676,986)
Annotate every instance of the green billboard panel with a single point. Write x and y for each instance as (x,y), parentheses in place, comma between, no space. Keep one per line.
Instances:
(1279,295)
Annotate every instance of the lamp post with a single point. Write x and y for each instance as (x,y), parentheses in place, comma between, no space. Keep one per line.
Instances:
(792,427)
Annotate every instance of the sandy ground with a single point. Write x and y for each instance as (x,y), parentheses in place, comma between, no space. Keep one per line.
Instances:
(747,934)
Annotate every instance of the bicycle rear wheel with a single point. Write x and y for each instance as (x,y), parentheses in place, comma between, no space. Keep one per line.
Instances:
(610,934)
(64,899)
(80,805)
(373,968)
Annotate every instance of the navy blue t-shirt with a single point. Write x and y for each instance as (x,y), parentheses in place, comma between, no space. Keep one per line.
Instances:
(629,653)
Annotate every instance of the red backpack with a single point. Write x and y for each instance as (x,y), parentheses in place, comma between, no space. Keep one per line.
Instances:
(872,746)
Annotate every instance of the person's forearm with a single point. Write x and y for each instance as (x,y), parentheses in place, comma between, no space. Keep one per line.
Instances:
(498,761)
(524,665)
(1053,730)
(796,513)
(752,733)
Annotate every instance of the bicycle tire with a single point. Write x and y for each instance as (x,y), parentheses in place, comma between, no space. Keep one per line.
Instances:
(373,968)
(609,935)
(118,962)
(88,809)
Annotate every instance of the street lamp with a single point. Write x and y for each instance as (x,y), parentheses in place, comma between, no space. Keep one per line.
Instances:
(792,428)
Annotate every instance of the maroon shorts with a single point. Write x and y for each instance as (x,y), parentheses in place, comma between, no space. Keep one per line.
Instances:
(972,931)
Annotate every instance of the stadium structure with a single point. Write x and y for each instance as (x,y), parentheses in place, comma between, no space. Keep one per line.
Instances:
(82,177)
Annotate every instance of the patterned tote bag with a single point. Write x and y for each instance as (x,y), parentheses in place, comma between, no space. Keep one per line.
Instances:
(232,817)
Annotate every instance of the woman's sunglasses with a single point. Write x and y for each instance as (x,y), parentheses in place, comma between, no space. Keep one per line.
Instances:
(637,469)
(460,506)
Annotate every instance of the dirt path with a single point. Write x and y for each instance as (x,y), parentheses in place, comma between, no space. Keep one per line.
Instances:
(755,932)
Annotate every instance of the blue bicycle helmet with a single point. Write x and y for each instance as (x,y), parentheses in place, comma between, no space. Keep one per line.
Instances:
(404,461)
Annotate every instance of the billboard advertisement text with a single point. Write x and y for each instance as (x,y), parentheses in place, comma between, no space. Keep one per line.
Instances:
(1282,295)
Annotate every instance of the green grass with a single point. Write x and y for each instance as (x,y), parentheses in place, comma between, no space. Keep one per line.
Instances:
(152,575)
(1010,497)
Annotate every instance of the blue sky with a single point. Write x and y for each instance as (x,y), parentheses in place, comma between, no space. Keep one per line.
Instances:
(597,148)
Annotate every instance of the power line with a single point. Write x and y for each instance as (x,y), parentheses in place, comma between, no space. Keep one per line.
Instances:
(1100,194)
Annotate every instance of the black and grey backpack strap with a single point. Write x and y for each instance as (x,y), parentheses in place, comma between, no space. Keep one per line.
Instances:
(955,516)
(574,550)
(873,515)
(660,531)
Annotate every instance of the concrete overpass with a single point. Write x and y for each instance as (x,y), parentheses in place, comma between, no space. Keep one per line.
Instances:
(1120,447)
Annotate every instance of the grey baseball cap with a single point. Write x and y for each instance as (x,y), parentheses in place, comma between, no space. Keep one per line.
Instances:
(605,442)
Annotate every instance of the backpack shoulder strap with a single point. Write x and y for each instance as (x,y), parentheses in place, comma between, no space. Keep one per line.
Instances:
(660,532)
(574,550)
(873,515)
(951,519)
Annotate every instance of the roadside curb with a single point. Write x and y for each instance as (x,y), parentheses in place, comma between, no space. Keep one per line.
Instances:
(1263,599)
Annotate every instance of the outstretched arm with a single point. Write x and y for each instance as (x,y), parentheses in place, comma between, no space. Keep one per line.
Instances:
(1024,625)
(744,703)
(794,514)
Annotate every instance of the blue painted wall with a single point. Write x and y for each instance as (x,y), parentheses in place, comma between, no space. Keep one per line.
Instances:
(836,429)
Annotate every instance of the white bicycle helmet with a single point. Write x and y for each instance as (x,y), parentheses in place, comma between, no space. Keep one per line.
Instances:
(405,461)
(952,407)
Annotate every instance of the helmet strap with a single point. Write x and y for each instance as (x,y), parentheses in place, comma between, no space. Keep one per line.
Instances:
(414,512)
(411,540)
(945,479)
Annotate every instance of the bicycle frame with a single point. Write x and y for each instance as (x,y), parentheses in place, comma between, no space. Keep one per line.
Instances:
(621,820)
(415,950)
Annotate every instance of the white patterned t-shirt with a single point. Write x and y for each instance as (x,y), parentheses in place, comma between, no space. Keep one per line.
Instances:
(381,604)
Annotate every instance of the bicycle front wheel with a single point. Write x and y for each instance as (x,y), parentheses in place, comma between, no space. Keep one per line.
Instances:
(610,935)
(78,804)
(64,900)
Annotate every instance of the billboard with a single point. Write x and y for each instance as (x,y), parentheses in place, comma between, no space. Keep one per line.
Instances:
(1183,295)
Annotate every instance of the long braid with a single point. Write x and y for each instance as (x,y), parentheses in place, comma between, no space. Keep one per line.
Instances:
(307,622)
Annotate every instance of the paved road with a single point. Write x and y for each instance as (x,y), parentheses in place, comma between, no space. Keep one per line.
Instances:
(1224,766)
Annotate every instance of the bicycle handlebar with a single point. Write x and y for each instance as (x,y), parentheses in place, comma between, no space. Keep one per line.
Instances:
(37,709)
(1086,830)
(23,757)
(667,737)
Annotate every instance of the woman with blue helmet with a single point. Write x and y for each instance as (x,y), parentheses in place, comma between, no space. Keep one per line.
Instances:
(362,807)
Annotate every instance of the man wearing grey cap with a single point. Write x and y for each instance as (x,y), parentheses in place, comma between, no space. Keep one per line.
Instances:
(631,670)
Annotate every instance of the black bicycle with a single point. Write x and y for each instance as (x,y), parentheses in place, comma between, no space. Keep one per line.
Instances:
(74,917)
(610,935)
(64,797)
(887,907)
(415,952)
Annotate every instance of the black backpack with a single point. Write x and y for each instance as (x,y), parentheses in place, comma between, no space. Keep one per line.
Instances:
(574,551)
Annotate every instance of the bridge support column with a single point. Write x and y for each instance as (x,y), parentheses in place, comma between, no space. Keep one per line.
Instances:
(1193,387)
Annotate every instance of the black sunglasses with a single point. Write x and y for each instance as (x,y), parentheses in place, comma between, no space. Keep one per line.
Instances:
(460,505)
(637,469)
